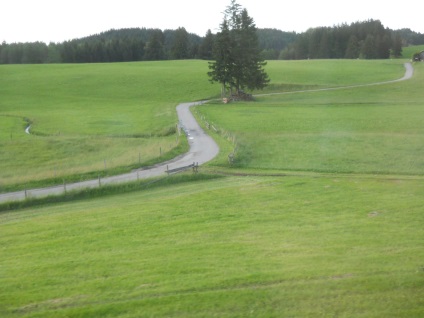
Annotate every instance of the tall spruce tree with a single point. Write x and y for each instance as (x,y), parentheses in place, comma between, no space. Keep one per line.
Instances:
(397,46)
(154,49)
(238,64)
(206,48)
(221,69)
(180,49)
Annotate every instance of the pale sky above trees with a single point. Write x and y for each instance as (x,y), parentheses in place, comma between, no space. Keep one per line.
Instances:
(57,21)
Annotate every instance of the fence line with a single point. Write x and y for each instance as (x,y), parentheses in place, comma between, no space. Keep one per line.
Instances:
(231,137)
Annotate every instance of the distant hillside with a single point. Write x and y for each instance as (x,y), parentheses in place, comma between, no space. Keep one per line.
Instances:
(368,39)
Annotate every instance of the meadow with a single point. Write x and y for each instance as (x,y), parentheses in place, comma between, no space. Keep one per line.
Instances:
(99,119)
(91,117)
(320,214)
(370,129)
(409,51)
(231,247)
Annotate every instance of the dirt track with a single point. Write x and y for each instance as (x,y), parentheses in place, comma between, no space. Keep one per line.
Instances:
(202,149)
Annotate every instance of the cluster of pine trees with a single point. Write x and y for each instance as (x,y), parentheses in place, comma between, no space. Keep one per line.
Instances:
(112,46)
(368,39)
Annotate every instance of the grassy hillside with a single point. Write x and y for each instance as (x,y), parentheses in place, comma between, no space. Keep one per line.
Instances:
(268,247)
(304,74)
(89,118)
(321,236)
(409,51)
(83,115)
(375,129)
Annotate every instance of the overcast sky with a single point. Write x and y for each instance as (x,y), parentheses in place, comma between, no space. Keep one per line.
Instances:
(57,21)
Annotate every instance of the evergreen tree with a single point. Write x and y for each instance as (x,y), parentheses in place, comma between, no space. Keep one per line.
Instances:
(368,49)
(238,63)
(397,46)
(383,45)
(155,47)
(353,48)
(180,49)
(3,48)
(206,48)
(252,75)
(221,69)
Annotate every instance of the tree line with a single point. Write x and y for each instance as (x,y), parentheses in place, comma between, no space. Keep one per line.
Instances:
(368,40)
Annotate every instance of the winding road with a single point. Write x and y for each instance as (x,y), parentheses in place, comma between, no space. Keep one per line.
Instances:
(202,149)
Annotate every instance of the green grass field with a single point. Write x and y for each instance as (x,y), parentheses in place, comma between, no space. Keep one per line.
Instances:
(408,52)
(320,215)
(90,118)
(232,247)
(84,115)
(375,129)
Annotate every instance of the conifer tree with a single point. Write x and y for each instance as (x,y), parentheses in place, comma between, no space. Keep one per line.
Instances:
(206,48)
(155,47)
(238,64)
(179,48)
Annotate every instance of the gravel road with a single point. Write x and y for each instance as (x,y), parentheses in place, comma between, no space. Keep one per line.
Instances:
(202,149)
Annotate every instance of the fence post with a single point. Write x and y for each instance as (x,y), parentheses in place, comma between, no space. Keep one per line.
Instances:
(64,186)
(100,184)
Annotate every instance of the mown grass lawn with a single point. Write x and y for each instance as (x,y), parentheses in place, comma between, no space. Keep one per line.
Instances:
(231,247)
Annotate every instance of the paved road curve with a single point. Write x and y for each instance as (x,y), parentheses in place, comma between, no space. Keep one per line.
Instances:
(202,149)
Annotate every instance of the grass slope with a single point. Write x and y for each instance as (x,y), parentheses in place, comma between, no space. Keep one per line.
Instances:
(269,247)
(82,115)
(408,52)
(375,129)
(301,245)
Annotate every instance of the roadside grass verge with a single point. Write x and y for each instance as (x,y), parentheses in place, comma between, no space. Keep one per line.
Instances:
(107,190)
(56,165)
(234,246)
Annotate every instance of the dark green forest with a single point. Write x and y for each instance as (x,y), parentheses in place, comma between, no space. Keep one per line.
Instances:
(367,40)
